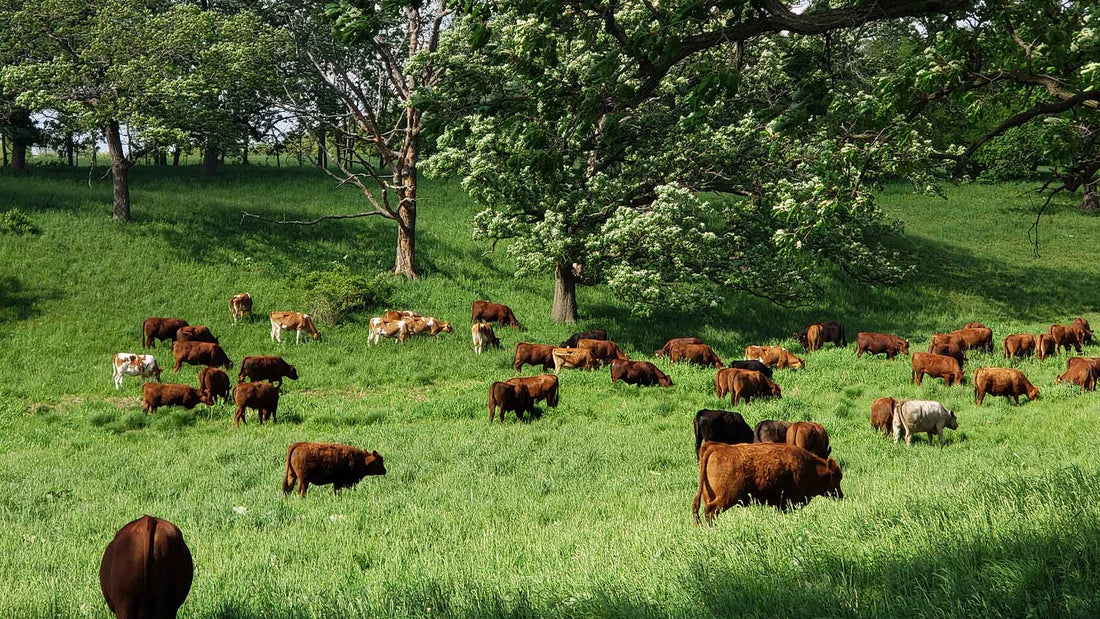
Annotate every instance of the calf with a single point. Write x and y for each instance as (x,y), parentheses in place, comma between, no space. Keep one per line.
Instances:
(533,354)
(214,383)
(129,364)
(752,364)
(674,342)
(1064,337)
(1082,330)
(948,348)
(598,334)
(146,570)
(199,353)
(1019,345)
(832,331)
(975,338)
(774,356)
(240,305)
(482,335)
(160,329)
(155,395)
(641,373)
(697,354)
(747,384)
(1080,371)
(936,366)
(720,427)
(914,416)
(1003,382)
(484,311)
(510,397)
(774,474)
(770,431)
(271,368)
(398,330)
(1045,346)
(881,343)
(815,338)
(261,397)
(428,326)
(573,358)
(196,333)
(321,464)
(284,321)
(603,351)
(810,436)
(544,387)
(882,415)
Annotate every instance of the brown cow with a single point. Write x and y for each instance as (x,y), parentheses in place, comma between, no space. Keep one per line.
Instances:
(832,331)
(214,383)
(945,338)
(1045,346)
(975,339)
(1064,337)
(674,342)
(1003,382)
(395,315)
(261,397)
(533,354)
(397,330)
(1083,330)
(510,397)
(775,474)
(154,329)
(697,354)
(285,321)
(155,395)
(810,436)
(948,348)
(595,334)
(880,343)
(604,351)
(484,311)
(271,368)
(482,335)
(321,464)
(240,305)
(747,384)
(774,357)
(146,570)
(1019,345)
(1080,371)
(975,325)
(937,366)
(641,373)
(544,387)
(882,415)
(196,333)
(815,338)
(573,358)
(199,353)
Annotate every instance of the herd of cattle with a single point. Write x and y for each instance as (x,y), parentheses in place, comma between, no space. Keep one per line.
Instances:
(147,569)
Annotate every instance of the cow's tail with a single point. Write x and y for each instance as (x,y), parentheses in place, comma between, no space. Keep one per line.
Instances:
(699,492)
(147,601)
(290,478)
(492,405)
(698,435)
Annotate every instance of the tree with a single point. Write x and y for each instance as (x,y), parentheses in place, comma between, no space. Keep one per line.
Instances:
(590,135)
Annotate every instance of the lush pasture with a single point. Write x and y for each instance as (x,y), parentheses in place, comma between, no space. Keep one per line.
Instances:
(584,512)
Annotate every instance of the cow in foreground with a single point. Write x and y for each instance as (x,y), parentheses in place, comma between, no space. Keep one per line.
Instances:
(321,464)
(199,353)
(1019,345)
(1080,371)
(774,357)
(196,333)
(533,354)
(916,416)
(770,431)
(214,383)
(156,395)
(510,397)
(580,358)
(1003,382)
(483,337)
(162,329)
(598,334)
(271,368)
(261,397)
(882,415)
(286,321)
(239,305)
(775,474)
(642,373)
(484,311)
(129,364)
(696,354)
(810,436)
(666,350)
(720,427)
(146,570)
(879,344)
(936,366)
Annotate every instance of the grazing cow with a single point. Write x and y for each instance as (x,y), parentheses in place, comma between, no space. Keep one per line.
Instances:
(482,335)
(321,464)
(544,387)
(815,338)
(937,366)
(1064,337)
(882,415)
(428,326)
(775,474)
(975,338)
(810,436)
(573,358)
(395,315)
(146,570)
(774,357)
(641,373)
(915,416)
(770,431)
(747,384)
(751,364)
(533,354)
(832,331)
(196,333)
(975,325)
(271,368)
(598,334)
(673,343)
(945,338)
(510,397)
(1080,371)
(1019,345)
(697,354)
(398,330)
(240,305)
(1045,346)
(125,363)
(214,383)
(603,351)
(720,427)
(948,348)
(156,395)
(484,311)
(1003,382)
(199,353)
(261,397)
(881,343)
(1083,330)
(160,329)
(284,321)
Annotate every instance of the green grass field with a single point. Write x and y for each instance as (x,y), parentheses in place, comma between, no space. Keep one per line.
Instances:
(584,512)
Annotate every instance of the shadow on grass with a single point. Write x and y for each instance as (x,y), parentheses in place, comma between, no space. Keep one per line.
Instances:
(17,302)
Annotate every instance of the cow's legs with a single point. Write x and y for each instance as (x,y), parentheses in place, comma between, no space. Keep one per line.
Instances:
(939,433)
(908,437)
(298,336)
(302,485)
(931,435)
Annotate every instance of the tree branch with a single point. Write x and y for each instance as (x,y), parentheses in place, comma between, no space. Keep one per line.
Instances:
(310,222)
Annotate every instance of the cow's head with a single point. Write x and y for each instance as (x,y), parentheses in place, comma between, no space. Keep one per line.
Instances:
(293,373)
(1032,393)
(373,464)
(952,420)
(905,347)
(833,475)
(446,327)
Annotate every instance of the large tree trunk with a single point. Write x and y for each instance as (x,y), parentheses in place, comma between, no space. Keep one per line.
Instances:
(22,131)
(18,155)
(120,170)
(565,294)
(244,155)
(209,161)
(1091,200)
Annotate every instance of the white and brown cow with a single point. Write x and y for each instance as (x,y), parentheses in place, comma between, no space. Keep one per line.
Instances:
(398,330)
(285,321)
(483,336)
(125,363)
(240,305)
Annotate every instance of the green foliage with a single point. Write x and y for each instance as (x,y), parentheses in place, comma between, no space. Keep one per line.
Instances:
(15,221)
(338,294)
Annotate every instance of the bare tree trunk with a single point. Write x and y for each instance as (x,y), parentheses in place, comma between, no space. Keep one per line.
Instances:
(4,148)
(322,154)
(18,155)
(120,170)
(22,129)
(70,148)
(209,161)
(175,156)
(564,308)
(1091,200)
(244,155)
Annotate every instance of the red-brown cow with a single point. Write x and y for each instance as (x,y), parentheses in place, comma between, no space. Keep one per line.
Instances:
(697,354)
(936,366)
(674,342)
(533,354)
(882,415)
(1080,371)
(146,570)
(810,436)
(321,464)
(641,373)
(196,333)
(239,305)
(881,343)
(1083,330)
(510,397)
(975,338)
(484,311)
(271,368)
(948,348)
(815,338)
(544,387)
(603,351)
(1045,346)
(1019,345)
(1003,382)
(154,329)
(214,383)
(1064,337)
(774,357)
(199,353)
(747,384)
(261,397)
(156,395)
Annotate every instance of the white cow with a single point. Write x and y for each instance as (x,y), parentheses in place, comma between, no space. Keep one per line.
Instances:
(913,416)
(125,363)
